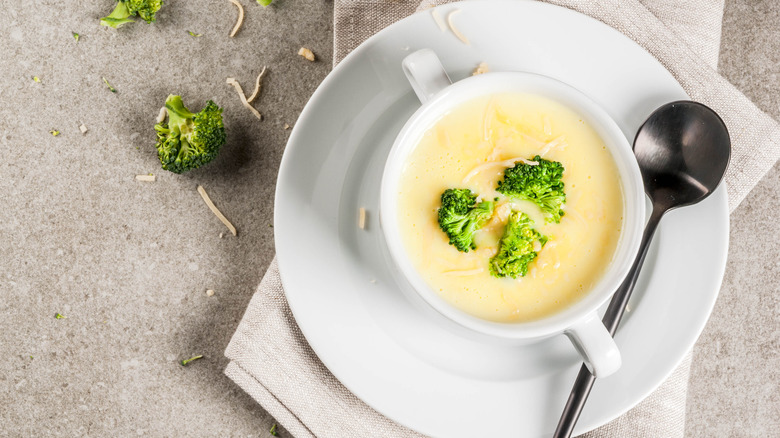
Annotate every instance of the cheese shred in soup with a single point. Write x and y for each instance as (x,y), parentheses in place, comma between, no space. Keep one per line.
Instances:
(470,147)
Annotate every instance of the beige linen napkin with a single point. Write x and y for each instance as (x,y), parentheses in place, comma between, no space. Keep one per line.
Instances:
(269,356)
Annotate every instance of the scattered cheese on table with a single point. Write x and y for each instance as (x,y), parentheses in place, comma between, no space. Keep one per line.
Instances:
(215,210)
(161,116)
(242,96)
(240,18)
(454,29)
(258,84)
(306,53)
(482,68)
(438,20)
(362,218)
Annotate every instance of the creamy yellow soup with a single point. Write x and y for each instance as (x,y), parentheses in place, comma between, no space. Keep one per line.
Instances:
(470,147)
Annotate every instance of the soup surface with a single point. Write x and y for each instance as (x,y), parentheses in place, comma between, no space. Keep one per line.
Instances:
(471,147)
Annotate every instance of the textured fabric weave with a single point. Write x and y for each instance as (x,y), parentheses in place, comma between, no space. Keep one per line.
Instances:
(270,358)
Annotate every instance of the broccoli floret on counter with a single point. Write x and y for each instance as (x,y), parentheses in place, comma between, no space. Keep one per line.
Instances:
(189,140)
(460,216)
(146,9)
(518,247)
(541,184)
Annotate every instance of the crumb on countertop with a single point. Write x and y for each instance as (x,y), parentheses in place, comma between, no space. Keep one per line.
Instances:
(482,68)
(306,53)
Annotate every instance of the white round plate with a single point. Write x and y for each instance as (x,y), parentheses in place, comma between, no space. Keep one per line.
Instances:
(401,358)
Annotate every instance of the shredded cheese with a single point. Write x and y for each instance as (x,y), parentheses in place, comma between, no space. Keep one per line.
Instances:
(454,29)
(486,131)
(575,215)
(240,18)
(286,126)
(146,178)
(215,210)
(546,126)
(258,84)
(162,115)
(482,68)
(209,293)
(465,272)
(528,139)
(506,163)
(532,141)
(445,264)
(83,128)
(498,219)
(242,96)
(438,20)
(306,53)
(487,252)
(362,218)
(558,141)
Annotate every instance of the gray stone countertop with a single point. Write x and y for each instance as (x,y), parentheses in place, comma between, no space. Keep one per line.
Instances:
(128,263)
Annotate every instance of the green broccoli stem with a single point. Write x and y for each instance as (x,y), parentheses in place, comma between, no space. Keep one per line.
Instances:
(179,121)
(264,3)
(176,108)
(119,16)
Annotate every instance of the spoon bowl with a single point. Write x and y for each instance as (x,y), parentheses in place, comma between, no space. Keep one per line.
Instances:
(683,150)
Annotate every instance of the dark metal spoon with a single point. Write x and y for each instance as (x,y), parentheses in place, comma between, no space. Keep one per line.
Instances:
(683,150)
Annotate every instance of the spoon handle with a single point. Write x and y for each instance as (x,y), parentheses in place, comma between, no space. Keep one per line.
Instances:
(584,383)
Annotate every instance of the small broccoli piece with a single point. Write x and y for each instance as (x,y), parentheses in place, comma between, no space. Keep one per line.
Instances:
(273,430)
(516,249)
(541,184)
(460,217)
(59,316)
(264,3)
(189,140)
(146,9)
(110,88)
(186,361)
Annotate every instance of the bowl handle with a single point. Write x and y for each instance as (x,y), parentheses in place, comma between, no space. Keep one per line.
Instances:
(426,74)
(595,345)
